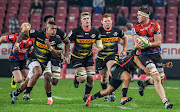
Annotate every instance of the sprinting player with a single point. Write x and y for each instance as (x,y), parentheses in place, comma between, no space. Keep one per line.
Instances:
(81,56)
(17,60)
(52,70)
(150,56)
(110,36)
(47,43)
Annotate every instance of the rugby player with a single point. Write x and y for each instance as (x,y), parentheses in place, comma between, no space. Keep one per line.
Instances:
(150,56)
(110,36)
(120,71)
(81,57)
(17,60)
(52,70)
(47,43)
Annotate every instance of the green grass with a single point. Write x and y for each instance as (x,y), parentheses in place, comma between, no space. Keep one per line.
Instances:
(150,102)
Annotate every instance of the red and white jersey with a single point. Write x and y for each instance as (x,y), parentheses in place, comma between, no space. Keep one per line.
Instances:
(148,30)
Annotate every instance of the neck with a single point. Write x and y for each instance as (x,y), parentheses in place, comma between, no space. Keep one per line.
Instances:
(145,22)
(86,28)
(48,36)
(108,29)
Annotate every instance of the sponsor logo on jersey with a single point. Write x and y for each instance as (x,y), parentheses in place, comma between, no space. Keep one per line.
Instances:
(32,31)
(93,36)
(41,45)
(115,33)
(80,36)
(112,39)
(85,40)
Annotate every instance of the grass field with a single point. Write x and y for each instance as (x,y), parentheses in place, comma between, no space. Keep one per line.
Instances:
(69,99)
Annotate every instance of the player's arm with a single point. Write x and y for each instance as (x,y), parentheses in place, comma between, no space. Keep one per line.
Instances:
(140,65)
(125,42)
(2,39)
(22,36)
(56,53)
(67,47)
(157,41)
(168,65)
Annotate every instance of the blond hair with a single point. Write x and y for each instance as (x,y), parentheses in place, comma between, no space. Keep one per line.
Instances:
(25,25)
(84,14)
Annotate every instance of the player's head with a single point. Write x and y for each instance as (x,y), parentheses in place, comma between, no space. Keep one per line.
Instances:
(129,26)
(86,19)
(48,18)
(143,14)
(106,21)
(51,29)
(25,27)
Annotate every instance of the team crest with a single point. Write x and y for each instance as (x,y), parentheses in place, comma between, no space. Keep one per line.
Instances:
(32,31)
(93,36)
(115,34)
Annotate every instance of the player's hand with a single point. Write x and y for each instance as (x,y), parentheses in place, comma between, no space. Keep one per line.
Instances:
(147,70)
(169,65)
(123,54)
(95,50)
(66,60)
(16,48)
(139,45)
(47,43)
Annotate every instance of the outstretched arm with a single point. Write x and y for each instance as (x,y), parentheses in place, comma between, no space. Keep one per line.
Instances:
(21,36)
(2,39)
(168,65)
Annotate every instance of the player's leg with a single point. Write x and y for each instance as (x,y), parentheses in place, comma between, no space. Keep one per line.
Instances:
(24,69)
(47,82)
(36,69)
(125,77)
(109,65)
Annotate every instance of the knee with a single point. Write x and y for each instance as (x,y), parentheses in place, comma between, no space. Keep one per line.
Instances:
(156,77)
(55,81)
(47,75)
(81,79)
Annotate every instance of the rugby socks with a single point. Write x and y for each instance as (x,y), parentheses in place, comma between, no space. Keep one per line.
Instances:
(87,89)
(28,90)
(95,96)
(14,82)
(104,86)
(164,100)
(49,96)
(17,92)
(124,92)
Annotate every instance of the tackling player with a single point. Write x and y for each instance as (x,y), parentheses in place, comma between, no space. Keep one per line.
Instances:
(150,56)
(17,60)
(81,57)
(110,36)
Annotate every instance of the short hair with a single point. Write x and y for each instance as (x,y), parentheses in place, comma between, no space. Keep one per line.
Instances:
(47,17)
(106,15)
(52,23)
(85,14)
(25,24)
(129,26)
(144,9)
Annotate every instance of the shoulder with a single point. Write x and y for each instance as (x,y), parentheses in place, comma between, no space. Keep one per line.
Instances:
(94,29)
(154,22)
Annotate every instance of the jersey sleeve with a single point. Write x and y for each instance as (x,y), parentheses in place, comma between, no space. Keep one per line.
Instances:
(62,34)
(32,33)
(11,38)
(98,36)
(157,29)
(72,35)
(120,33)
(59,45)
(135,30)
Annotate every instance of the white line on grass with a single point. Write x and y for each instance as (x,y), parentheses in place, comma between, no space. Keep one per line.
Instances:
(121,107)
(1,88)
(56,97)
(153,88)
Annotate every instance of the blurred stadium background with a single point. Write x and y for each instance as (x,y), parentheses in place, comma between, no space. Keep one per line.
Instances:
(67,12)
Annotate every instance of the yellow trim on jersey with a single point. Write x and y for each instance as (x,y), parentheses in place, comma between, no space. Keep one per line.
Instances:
(85,40)
(65,38)
(41,60)
(111,39)
(28,33)
(100,57)
(109,44)
(85,45)
(129,36)
(40,56)
(40,45)
(77,56)
(43,50)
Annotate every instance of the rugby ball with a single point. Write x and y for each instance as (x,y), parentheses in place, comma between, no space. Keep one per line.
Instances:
(144,40)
